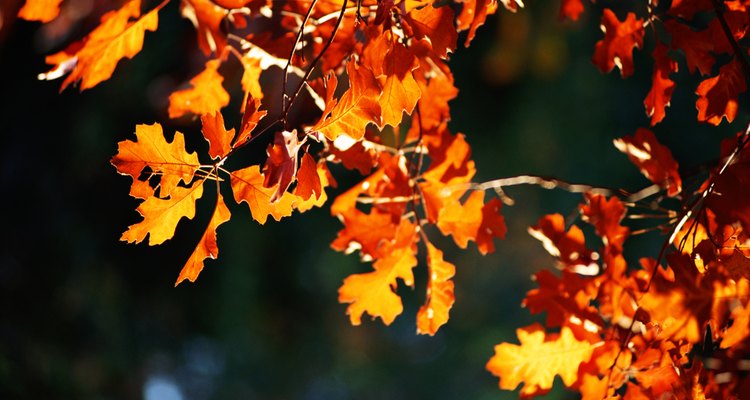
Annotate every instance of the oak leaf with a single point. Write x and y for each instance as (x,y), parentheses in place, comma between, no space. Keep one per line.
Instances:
(393,67)
(568,247)
(606,215)
(357,108)
(169,161)
(652,158)
(473,220)
(161,215)
(207,246)
(40,10)
(373,292)
(662,86)
(247,186)
(94,59)
(538,358)
(219,139)
(207,18)
(435,24)
(697,46)
(616,48)
(718,95)
(434,313)
(206,96)
(475,12)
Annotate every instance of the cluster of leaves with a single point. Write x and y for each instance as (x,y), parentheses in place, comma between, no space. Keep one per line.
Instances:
(678,330)
(375,73)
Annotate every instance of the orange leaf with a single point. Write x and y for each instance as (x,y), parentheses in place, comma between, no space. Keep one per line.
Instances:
(170,161)
(250,119)
(718,95)
(652,158)
(569,247)
(606,215)
(247,185)
(207,246)
(537,360)
(436,24)
(219,139)
(206,96)
(475,12)
(357,108)
(40,10)
(472,221)
(616,49)
(308,181)
(207,18)
(114,39)
(160,216)
(373,292)
(400,91)
(440,298)
(661,86)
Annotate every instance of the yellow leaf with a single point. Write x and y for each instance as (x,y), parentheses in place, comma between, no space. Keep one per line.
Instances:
(537,360)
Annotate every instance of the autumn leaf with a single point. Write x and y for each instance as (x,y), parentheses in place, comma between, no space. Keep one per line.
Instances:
(616,48)
(661,85)
(473,220)
(206,17)
(219,139)
(392,64)
(434,313)
(475,12)
(207,246)
(373,292)
(169,161)
(718,95)
(161,215)
(538,359)
(568,247)
(308,180)
(40,10)
(172,164)
(281,165)
(571,9)
(206,96)
(652,158)
(115,38)
(250,119)
(697,46)
(247,185)
(606,215)
(435,24)
(357,108)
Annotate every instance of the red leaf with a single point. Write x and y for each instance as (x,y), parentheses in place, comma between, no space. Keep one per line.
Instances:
(652,158)
(718,95)
(616,49)
(571,9)
(661,86)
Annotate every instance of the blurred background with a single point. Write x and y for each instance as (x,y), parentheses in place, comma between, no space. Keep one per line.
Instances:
(85,316)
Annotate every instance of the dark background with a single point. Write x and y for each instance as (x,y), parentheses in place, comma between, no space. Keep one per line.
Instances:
(85,316)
